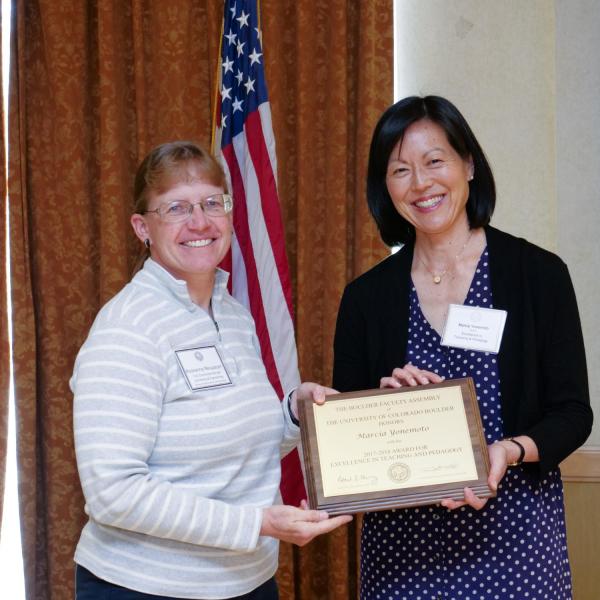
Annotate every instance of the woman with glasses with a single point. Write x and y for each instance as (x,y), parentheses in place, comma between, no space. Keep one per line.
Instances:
(178,432)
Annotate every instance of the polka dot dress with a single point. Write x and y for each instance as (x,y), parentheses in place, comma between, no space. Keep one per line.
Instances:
(514,548)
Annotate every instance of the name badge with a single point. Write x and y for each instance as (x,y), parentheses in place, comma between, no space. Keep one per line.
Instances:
(203,368)
(474,328)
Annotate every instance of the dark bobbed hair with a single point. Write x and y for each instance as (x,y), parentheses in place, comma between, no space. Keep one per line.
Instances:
(390,129)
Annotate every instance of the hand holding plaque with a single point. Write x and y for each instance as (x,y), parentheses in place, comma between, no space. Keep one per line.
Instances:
(381,449)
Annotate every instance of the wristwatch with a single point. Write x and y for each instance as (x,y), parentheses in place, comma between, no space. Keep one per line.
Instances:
(295,421)
(519,460)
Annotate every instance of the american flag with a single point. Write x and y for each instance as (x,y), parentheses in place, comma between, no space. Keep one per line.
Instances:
(245,143)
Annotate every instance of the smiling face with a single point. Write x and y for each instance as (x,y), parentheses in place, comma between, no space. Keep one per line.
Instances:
(428,180)
(190,250)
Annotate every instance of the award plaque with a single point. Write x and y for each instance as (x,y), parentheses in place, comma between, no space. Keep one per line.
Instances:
(394,448)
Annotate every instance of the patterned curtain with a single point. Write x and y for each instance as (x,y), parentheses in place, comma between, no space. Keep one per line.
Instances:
(96,84)
(4,350)
(330,76)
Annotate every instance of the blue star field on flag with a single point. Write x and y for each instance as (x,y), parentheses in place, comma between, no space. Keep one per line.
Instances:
(243,86)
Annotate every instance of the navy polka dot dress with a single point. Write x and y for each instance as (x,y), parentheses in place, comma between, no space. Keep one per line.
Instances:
(514,548)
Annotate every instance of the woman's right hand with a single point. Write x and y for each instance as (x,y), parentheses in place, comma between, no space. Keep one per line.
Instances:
(409,375)
(297,525)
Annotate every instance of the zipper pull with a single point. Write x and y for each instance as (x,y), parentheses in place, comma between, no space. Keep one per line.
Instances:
(218,331)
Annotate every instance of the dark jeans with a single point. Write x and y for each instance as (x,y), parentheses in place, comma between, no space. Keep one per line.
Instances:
(90,587)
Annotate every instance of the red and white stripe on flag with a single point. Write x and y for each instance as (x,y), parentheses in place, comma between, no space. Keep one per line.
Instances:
(245,143)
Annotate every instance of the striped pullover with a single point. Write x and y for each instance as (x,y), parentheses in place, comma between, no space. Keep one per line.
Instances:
(174,479)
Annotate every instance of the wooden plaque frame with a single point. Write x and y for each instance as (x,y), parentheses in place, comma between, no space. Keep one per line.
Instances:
(394,498)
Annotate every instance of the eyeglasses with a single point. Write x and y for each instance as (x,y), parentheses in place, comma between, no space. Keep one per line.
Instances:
(181,210)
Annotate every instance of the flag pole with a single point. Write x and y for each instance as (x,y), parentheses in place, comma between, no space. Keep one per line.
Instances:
(216,105)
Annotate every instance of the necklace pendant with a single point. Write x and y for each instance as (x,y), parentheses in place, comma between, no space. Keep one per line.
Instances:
(437,279)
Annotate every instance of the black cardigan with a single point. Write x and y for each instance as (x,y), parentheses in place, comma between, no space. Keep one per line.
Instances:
(543,375)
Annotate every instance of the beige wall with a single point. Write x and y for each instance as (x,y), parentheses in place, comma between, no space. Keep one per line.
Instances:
(578,168)
(524,74)
(582,501)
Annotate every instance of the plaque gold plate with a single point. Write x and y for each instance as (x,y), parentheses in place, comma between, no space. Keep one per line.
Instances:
(394,448)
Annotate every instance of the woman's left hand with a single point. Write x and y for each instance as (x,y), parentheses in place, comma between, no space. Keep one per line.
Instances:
(309,391)
(498,463)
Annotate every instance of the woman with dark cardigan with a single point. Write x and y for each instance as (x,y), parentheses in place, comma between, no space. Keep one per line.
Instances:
(430,188)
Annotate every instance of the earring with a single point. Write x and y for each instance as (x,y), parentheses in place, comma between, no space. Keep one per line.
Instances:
(147,243)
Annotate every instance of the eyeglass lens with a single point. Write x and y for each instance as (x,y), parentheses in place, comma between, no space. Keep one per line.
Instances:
(214,206)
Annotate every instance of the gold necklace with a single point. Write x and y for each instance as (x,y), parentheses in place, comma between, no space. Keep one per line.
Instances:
(437,277)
